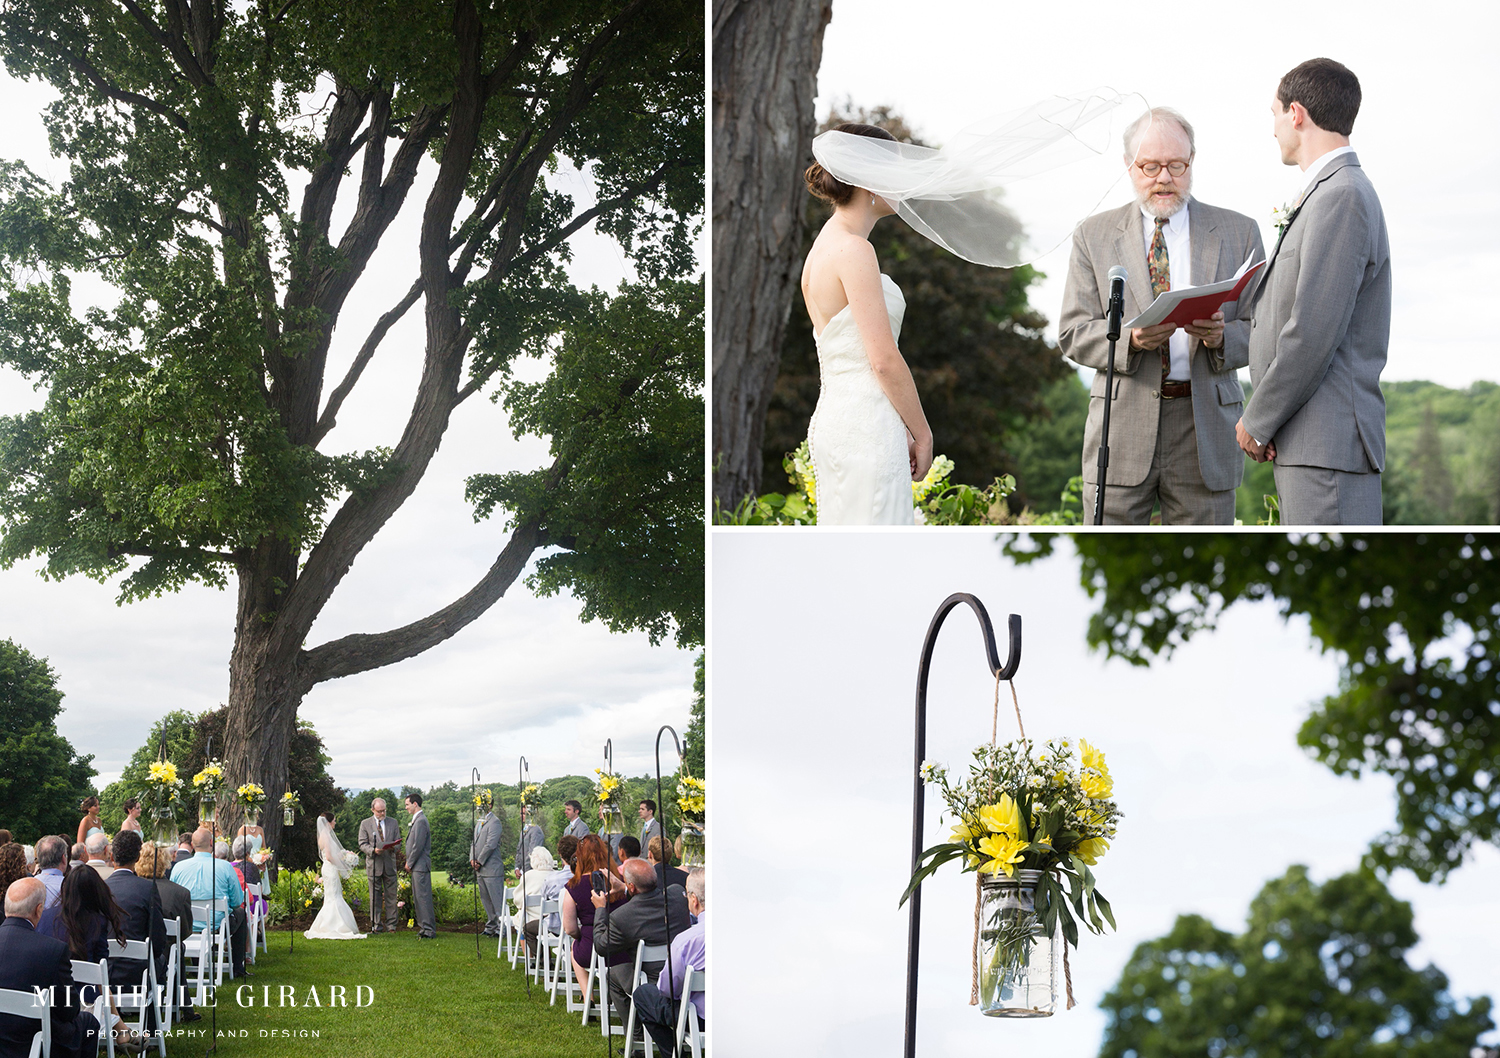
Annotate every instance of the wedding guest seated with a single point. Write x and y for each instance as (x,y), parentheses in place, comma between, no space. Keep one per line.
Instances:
(242,851)
(640,918)
(30,851)
(140,903)
(546,880)
(176,903)
(629,849)
(675,875)
(184,846)
(84,918)
(51,858)
(12,864)
(578,910)
(28,961)
(78,855)
(98,853)
(656,1005)
(5,837)
(207,879)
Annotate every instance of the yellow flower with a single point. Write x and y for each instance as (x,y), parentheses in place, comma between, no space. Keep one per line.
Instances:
(1097,785)
(966,832)
(307,904)
(1002,818)
(164,772)
(1091,849)
(1004,852)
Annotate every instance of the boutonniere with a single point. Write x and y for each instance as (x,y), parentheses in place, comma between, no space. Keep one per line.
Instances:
(1281,216)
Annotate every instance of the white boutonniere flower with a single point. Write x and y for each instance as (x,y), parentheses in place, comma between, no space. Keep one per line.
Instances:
(1281,216)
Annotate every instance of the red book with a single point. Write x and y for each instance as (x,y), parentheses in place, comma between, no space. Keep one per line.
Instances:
(1184,306)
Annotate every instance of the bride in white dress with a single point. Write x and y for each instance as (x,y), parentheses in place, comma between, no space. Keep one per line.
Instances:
(335,920)
(868,438)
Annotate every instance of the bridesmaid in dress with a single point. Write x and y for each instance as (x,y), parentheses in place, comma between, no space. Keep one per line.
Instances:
(89,824)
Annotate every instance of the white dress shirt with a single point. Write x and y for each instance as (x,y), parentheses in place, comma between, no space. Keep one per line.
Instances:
(1315,170)
(1180,272)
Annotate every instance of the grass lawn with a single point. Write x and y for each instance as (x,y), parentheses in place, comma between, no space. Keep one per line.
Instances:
(432,998)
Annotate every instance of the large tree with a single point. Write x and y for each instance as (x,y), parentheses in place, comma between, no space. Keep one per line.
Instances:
(766,59)
(41,778)
(1320,969)
(1413,619)
(976,350)
(186,429)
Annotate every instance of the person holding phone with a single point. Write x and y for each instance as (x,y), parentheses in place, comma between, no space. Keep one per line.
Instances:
(593,872)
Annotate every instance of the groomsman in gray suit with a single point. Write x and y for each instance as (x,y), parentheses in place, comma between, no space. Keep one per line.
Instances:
(576,827)
(1322,315)
(419,863)
(380,867)
(650,825)
(489,871)
(531,838)
(1177,397)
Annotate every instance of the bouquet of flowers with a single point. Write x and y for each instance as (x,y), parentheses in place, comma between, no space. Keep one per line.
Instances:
(210,779)
(1036,811)
(291,804)
(531,795)
(690,799)
(250,797)
(163,790)
(484,800)
(351,859)
(609,790)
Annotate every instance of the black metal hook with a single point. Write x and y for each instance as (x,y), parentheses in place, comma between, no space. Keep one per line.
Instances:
(924,667)
(474,852)
(661,872)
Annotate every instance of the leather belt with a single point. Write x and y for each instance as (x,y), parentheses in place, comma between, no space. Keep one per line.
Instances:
(1176,389)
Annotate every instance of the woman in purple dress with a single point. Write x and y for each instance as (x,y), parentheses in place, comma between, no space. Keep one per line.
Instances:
(578,907)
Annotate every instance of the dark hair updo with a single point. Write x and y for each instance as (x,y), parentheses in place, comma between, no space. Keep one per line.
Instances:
(823,184)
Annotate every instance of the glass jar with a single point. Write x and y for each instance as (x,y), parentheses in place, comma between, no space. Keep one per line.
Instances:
(1018,961)
(164,825)
(288,815)
(693,845)
(208,804)
(613,821)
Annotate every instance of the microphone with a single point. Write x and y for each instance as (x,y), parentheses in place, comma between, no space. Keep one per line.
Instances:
(1117,277)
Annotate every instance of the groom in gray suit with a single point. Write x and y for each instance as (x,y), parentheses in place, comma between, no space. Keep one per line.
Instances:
(489,871)
(419,863)
(1176,396)
(380,867)
(1322,315)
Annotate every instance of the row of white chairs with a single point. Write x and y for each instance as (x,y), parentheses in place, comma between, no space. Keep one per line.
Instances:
(551,965)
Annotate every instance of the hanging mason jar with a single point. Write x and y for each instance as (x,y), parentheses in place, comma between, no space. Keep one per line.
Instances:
(207,805)
(288,815)
(1017,960)
(252,816)
(693,846)
(164,825)
(613,821)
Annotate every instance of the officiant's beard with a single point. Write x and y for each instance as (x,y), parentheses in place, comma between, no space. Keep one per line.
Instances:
(1159,207)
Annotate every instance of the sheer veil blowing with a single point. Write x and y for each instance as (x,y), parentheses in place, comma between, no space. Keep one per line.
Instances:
(954,195)
(333,852)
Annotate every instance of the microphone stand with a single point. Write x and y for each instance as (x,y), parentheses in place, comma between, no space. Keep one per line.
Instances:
(1005,672)
(1116,310)
(661,883)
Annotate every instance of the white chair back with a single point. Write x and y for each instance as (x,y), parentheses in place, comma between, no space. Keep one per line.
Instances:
(37,1007)
(97,974)
(688,1024)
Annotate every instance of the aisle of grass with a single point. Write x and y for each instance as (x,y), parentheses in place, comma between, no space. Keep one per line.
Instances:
(430,997)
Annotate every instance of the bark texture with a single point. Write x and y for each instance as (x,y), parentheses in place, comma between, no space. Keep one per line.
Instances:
(766,58)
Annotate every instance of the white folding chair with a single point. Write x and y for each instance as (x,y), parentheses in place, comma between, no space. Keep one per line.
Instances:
(252,930)
(174,971)
(644,953)
(148,997)
(509,929)
(549,944)
(36,1007)
(531,957)
(265,910)
(687,1015)
(97,974)
(598,982)
(209,947)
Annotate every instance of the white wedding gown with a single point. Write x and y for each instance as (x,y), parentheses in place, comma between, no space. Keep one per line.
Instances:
(857,440)
(335,919)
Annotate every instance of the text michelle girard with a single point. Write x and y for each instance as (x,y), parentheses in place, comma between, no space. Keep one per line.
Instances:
(282,996)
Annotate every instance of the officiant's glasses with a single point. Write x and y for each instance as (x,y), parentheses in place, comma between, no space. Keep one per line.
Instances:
(1152,168)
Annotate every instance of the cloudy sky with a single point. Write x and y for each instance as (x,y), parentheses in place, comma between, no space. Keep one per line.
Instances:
(526,678)
(814,646)
(1430,87)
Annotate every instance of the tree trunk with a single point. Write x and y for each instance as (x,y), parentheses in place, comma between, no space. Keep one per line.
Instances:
(766,59)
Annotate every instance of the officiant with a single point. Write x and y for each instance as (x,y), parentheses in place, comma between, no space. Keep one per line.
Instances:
(378,838)
(1177,397)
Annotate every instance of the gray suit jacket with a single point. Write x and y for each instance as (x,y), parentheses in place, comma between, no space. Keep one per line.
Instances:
(487,848)
(531,839)
(1322,323)
(1220,240)
(419,844)
(649,829)
(377,864)
(577,828)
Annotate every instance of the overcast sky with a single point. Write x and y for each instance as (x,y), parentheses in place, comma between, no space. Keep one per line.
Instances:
(814,646)
(1424,132)
(526,678)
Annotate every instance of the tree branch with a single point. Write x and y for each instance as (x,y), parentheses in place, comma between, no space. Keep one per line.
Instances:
(362,652)
(122,95)
(329,418)
(171,42)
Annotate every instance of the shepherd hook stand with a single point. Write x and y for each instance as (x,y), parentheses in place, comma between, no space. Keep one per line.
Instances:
(1012,663)
(661,872)
(474,851)
(523,776)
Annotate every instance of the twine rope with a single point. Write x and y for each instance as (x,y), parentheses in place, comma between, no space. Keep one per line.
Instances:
(978,885)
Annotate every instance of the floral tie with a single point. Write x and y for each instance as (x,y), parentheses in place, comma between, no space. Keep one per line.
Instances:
(1161,278)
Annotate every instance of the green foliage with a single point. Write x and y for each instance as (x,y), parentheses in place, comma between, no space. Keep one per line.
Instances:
(180,726)
(1443,454)
(1379,600)
(1319,970)
(693,738)
(41,778)
(973,342)
(1048,448)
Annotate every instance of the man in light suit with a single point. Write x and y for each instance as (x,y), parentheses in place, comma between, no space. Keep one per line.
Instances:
(380,867)
(419,863)
(576,827)
(1322,315)
(1176,399)
(531,839)
(489,870)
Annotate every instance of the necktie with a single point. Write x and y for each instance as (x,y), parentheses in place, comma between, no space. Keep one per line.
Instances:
(1161,278)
